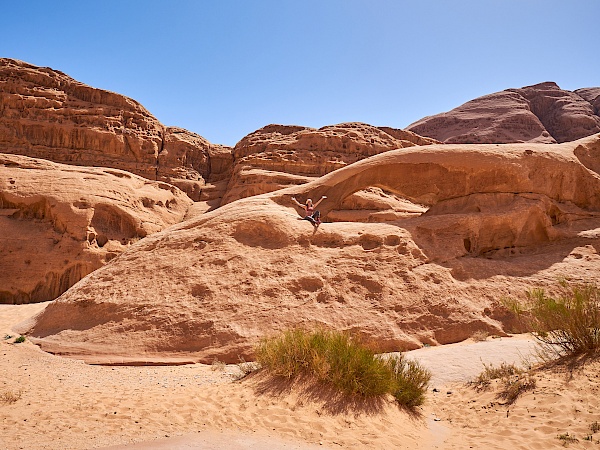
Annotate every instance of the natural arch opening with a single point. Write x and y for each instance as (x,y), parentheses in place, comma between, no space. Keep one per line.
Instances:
(375,204)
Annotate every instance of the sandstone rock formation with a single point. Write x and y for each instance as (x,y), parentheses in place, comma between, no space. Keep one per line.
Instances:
(591,95)
(59,223)
(540,113)
(482,222)
(421,240)
(46,114)
(278,156)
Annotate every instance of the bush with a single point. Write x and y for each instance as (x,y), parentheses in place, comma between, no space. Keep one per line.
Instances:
(513,387)
(569,323)
(341,360)
(410,381)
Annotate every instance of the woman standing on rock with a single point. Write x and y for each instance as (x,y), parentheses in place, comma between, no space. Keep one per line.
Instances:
(310,213)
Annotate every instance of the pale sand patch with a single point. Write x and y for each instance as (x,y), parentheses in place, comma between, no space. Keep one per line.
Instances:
(463,361)
(10,315)
(66,404)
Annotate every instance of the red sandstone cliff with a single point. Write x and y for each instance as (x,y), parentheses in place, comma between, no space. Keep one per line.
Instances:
(52,234)
(59,223)
(495,221)
(47,114)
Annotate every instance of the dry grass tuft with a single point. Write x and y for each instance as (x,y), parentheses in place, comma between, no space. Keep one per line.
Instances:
(567,439)
(10,397)
(513,381)
(513,387)
(480,336)
(246,368)
(217,365)
(491,372)
(341,360)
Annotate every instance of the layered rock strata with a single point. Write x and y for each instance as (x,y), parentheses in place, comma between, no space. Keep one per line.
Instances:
(47,114)
(278,156)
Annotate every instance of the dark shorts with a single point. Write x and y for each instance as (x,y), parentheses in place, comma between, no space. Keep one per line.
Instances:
(314,218)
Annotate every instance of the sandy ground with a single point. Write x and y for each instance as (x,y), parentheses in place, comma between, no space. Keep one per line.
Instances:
(48,402)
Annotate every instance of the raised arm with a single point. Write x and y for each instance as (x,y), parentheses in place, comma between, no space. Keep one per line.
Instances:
(320,200)
(297,202)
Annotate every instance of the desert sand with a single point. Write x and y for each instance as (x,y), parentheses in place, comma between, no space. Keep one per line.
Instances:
(66,404)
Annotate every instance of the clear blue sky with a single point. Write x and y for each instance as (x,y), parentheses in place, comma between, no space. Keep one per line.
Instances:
(225,68)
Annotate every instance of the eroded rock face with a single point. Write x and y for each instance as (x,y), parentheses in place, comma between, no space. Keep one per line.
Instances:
(485,222)
(47,114)
(59,223)
(278,156)
(591,95)
(540,113)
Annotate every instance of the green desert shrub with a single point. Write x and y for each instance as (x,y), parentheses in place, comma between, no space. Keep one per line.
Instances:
(343,361)
(568,323)
(410,381)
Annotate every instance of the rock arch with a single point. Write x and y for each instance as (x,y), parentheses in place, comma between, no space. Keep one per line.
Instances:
(433,174)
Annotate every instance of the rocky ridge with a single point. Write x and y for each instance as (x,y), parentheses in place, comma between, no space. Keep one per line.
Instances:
(46,114)
(278,156)
(540,113)
(421,239)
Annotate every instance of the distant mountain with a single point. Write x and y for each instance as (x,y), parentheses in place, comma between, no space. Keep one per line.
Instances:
(540,113)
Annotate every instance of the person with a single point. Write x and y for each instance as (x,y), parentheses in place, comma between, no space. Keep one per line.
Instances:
(311,214)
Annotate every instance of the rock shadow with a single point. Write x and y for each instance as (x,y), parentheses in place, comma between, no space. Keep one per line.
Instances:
(532,236)
(331,400)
